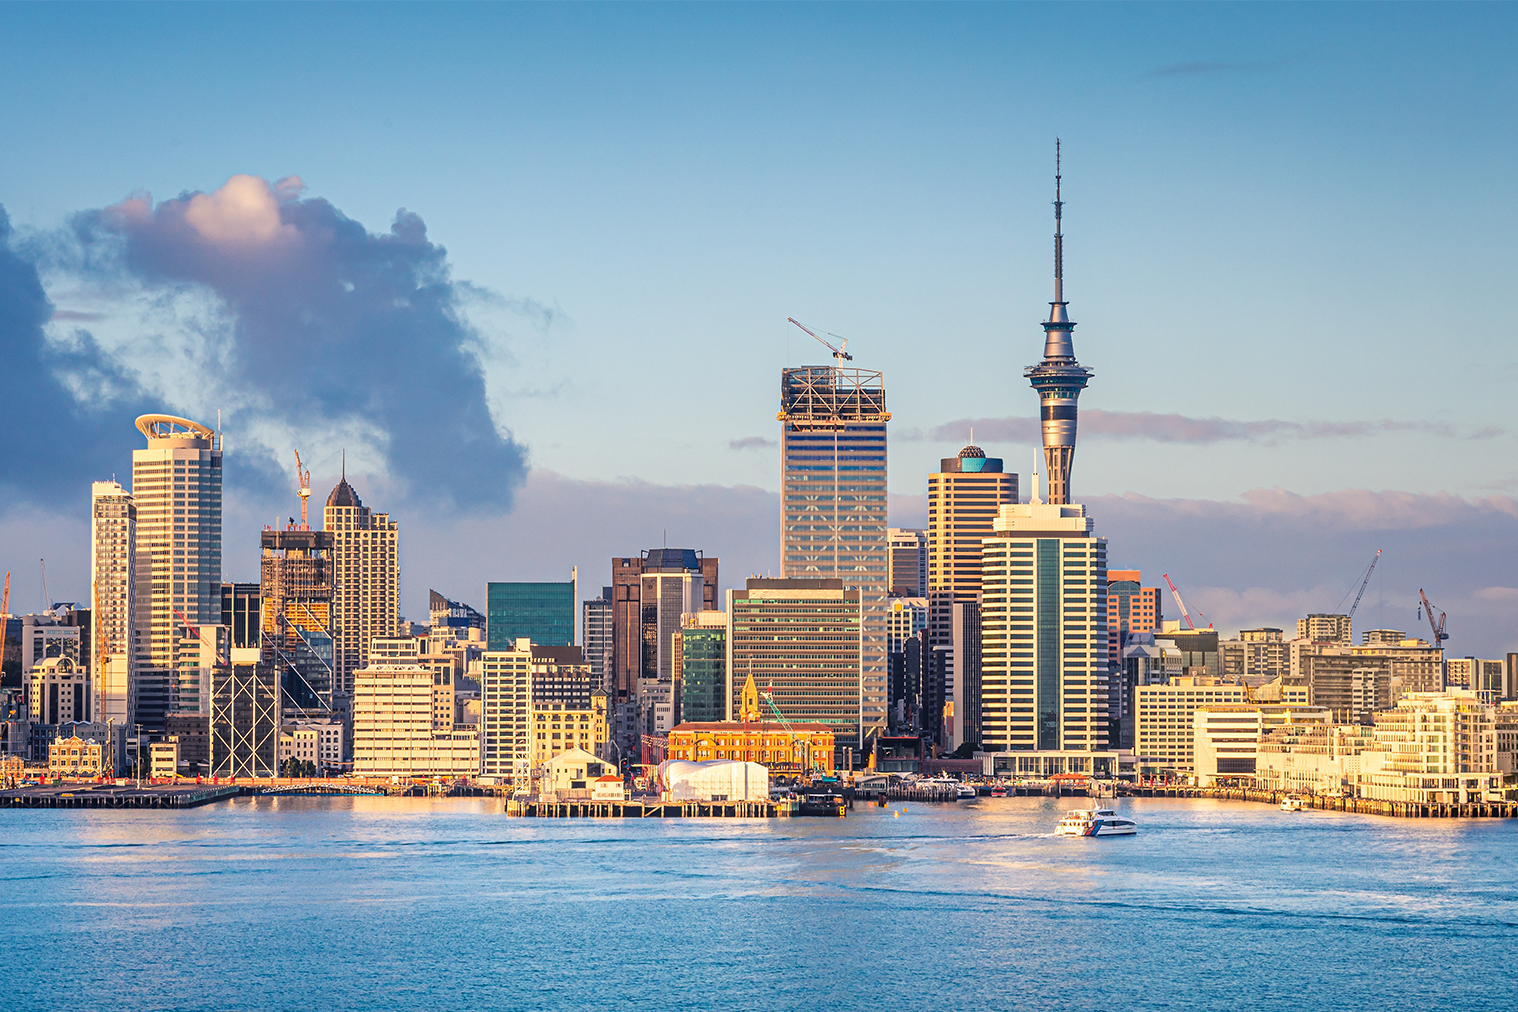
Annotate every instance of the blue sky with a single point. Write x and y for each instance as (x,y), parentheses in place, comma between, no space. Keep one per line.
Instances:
(1290,226)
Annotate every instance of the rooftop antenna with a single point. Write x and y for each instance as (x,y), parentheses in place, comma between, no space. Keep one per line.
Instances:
(1035,500)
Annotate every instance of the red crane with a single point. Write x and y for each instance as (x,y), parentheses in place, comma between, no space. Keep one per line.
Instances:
(1438,627)
(1177,594)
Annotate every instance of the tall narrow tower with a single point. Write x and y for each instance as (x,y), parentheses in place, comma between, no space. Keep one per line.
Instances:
(1059,378)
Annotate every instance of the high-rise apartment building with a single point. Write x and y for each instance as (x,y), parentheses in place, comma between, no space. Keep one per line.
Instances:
(295,594)
(1044,631)
(366,580)
(1257,656)
(907,562)
(598,629)
(833,504)
(541,612)
(113,602)
(1325,629)
(963,500)
(801,641)
(176,488)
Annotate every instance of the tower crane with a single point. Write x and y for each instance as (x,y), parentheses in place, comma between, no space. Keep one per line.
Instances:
(1365,583)
(5,599)
(1177,595)
(303,478)
(1438,627)
(840,355)
(769,697)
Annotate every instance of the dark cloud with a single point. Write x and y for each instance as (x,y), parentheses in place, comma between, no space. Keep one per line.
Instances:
(68,408)
(329,329)
(751,443)
(1170,428)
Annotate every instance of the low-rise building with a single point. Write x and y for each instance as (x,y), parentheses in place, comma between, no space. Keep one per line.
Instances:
(163,759)
(76,757)
(570,775)
(1227,736)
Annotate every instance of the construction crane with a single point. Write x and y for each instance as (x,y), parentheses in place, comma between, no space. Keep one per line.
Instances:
(303,478)
(1177,595)
(840,355)
(1438,627)
(47,599)
(769,697)
(1365,583)
(5,599)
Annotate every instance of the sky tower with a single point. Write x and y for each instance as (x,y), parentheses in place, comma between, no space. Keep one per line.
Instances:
(1059,378)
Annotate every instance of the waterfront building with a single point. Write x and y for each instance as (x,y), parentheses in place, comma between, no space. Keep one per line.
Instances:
(1044,631)
(1058,378)
(833,507)
(598,629)
(57,691)
(176,566)
(113,601)
(319,742)
(77,757)
(365,581)
(1433,748)
(541,612)
(703,666)
(962,705)
(790,747)
(963,500)
(907,562)
(1312,758)
(242,613)
(575,774)
(1227,736)
(1325,629)
(396,704)
(244,720)
(193,733)
(1165,734)
(295,622)
(801,641)
(163,759)
(569,707)
(1255,657)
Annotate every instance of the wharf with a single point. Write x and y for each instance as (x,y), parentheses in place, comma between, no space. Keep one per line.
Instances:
(528,808)
(1326,803)
(112,796)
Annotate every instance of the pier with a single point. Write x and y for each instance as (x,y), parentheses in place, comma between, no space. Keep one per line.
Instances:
(113,796)
(528,808)
(1326,803)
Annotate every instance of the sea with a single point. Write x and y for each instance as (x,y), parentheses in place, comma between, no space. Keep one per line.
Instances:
(378,904)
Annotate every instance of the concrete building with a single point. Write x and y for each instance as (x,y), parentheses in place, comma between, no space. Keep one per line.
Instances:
(801,748)
(833,507)
(1434,748)
(963,499)
(454,620)
(1226,737)
(1488,679)
(163,759)
(1325,629)
(244,719)
(1311,758)
(58,690)
(113,601)
(907,562)
(703,666)
(1131,608)
(1255,657)
(962,700)
(800,641)
(77,757)
(667,595)
(295,621)
(598,629)
(541,612)
(1166,736)
(365,581)
(242,613)
(176,576)
(1044,631)
(630,631)
(192,732)
(533,690)
(910,659)
(905,618)
(396,728)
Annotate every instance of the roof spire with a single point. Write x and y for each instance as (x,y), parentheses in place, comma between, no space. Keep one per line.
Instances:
(345,464)
(1059,239)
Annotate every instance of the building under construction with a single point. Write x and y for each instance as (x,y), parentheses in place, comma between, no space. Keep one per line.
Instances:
(295,623)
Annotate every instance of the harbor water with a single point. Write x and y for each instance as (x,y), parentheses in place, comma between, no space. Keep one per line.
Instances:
(380,904)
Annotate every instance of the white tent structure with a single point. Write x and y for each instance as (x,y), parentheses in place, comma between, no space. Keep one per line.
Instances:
(719,780)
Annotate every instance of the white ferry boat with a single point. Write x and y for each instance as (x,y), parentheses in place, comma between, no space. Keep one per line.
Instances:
(1291,803)
(1095,822)
(967,793)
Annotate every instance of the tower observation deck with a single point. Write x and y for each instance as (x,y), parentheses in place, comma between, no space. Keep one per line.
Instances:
(1059,378)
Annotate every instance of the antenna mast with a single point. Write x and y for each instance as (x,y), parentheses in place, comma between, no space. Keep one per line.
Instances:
(1059,238)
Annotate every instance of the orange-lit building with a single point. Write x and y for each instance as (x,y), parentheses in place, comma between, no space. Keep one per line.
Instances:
(804,747)
(1131,608)
(73,757)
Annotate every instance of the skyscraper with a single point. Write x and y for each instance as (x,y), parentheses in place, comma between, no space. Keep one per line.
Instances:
(598,630)
(113,556)
(908,561)
(541,612)
(176,488)
(365,580)
(295,590)
(833,505)
(1059,378)
(963,498)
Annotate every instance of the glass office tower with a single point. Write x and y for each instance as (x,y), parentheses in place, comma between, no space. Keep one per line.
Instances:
(541,612)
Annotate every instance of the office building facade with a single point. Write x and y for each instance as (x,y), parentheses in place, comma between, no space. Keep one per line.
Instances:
(365,581)
(113,601)
(177,491)
(963,500)
(295,622)
(598,629)
(833,505)
(703,667)
(242,613)
(907,562)
(541,612)
(802,642)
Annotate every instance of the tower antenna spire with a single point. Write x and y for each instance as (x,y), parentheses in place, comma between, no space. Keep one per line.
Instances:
(1059,239)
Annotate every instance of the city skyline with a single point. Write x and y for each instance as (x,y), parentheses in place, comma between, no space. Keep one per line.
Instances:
(1204,452)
